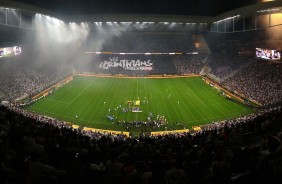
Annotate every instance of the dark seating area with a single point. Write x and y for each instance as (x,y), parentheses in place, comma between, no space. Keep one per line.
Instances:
(138,42)
(35,149)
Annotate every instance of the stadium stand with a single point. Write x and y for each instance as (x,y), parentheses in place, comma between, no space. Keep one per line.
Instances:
(19,78)
(189,64)
(223,65)
(260,81)
(36,149)
(244,42)
(142,42)
(160,42)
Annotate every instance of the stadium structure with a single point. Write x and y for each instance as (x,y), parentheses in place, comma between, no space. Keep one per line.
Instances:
(141,98)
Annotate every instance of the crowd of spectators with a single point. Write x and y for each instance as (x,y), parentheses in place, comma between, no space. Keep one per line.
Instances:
(21,79)
(142,42)
(224,64)
(260,81)
(189,64)
(37,149)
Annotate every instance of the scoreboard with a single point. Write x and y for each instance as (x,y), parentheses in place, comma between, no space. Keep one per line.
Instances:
(268,54)
(10,51)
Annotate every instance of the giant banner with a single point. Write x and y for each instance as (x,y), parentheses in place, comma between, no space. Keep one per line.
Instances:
(115,62)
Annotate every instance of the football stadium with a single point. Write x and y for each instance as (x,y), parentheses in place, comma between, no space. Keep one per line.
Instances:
(140,96)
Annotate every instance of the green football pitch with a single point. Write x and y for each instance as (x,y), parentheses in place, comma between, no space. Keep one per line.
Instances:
(183,102)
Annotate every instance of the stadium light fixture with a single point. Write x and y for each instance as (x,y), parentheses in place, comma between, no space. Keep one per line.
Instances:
(228,18)
(269,10)
(11,9)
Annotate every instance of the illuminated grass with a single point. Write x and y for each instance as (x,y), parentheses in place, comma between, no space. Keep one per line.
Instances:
(184,102)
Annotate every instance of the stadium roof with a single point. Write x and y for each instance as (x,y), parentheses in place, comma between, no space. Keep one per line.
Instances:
(137,18)
(27,7)
(251,9)
(247,10)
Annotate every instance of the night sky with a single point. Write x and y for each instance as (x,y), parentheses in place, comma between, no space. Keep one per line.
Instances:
(176,7)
